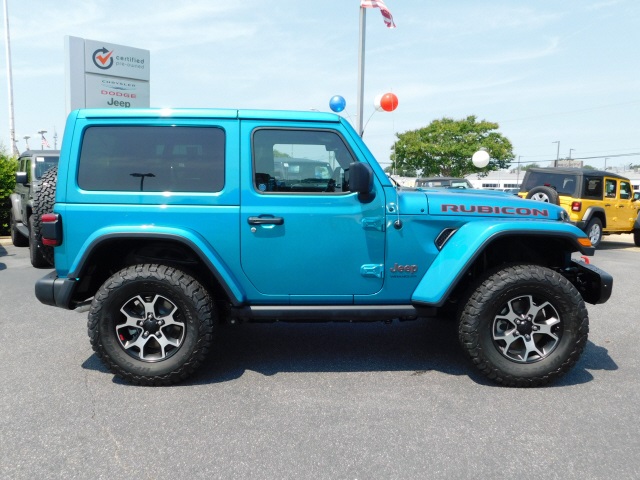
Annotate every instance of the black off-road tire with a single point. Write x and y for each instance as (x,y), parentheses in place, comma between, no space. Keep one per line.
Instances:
(544,194)
(43,202)
(484,328)
(136,289)
(17,238)
(636,237)
(35,249)
(594,231)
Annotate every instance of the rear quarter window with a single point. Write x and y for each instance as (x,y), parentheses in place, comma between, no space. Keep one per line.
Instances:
(152,159)
(593,188)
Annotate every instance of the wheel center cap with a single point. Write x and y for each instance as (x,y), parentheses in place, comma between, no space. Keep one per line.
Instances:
(151,325)
(525,327)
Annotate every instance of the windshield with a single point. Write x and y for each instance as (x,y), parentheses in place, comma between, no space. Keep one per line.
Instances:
(45,163)
(564,184)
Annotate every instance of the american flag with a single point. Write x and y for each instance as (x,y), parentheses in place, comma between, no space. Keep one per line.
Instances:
(386,14)
(45,144)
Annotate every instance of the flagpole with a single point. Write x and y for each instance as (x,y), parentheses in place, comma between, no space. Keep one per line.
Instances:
(12,130)
(360,107)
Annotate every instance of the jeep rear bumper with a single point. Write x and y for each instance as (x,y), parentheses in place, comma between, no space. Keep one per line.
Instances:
(55,291)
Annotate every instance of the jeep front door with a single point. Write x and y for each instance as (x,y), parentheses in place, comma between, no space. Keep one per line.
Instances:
(303,233)
(626,210)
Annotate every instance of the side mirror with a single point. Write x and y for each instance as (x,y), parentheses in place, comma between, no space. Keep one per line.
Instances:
(360,178)
(21,177)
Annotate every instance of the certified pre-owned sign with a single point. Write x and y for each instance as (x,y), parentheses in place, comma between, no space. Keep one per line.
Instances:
(103,58)
(116,60)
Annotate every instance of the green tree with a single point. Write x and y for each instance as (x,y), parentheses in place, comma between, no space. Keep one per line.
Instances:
(8,168)
(279,154)
(445,147)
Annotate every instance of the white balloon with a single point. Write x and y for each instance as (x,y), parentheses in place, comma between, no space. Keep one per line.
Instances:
(377,101)
(481,158)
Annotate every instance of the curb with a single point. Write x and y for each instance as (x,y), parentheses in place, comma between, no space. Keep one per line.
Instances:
(5,240)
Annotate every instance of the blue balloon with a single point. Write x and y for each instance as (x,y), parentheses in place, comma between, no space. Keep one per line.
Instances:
(337,103)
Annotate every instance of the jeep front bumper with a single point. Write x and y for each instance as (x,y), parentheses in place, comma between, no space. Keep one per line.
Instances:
(594,285)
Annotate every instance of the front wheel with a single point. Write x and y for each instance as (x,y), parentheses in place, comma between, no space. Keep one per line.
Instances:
(151,324)
(636,237)
(17,239)
(524,326)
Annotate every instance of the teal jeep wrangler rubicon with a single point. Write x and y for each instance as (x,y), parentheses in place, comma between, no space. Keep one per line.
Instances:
(169,221)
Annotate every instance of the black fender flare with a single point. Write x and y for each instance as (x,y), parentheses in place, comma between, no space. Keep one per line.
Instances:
(216,266)
(592,212)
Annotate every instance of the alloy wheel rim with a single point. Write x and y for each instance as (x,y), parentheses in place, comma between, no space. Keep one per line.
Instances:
(151,328)
(526,329)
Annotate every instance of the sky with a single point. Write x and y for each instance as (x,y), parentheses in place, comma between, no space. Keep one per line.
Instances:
(545,71)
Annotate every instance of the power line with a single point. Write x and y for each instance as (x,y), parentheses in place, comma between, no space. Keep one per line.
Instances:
(580,158)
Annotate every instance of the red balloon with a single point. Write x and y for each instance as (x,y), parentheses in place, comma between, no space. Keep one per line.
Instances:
(389,102)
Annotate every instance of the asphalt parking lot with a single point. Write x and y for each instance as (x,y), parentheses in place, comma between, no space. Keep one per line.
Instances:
(334,401)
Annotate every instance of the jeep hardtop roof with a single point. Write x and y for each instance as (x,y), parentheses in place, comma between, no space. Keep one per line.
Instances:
(577,171)
(40,153)
(208,113)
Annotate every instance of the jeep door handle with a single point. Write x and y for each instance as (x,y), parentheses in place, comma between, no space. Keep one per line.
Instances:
(266,221)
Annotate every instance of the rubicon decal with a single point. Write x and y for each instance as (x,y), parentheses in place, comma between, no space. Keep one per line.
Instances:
(102,58)
(490,209)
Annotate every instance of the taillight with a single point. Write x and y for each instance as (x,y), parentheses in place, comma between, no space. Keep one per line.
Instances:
(576,206)
(51,230)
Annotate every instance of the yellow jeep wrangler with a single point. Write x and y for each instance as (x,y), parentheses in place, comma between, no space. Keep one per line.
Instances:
(598,202)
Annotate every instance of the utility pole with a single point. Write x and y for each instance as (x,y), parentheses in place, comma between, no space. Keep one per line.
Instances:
(570,150)
(42,132)
(12,129)
(555,164)
(361,46)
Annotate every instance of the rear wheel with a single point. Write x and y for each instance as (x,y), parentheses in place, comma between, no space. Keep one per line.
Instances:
(524,326)
(17,238)
(151,324)
(594,231)
(35,249)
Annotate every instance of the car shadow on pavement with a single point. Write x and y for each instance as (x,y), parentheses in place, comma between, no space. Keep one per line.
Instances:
(617,242)
(3,252)
(594,357)
(420,348)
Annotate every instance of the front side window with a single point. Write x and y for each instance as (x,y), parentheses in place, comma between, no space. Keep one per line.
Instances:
(300,161)
(625,190)
(610,188)
(152,159)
